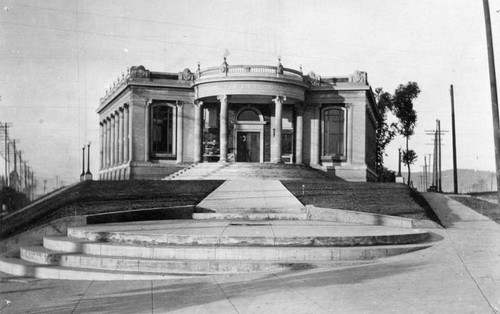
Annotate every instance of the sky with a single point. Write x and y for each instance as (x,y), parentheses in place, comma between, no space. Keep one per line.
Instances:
(57,58)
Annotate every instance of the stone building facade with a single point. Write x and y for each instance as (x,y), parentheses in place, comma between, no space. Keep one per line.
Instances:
(151,121)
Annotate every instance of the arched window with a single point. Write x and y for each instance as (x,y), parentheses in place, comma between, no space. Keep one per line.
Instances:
(162,130)
(334,132)
(248,115)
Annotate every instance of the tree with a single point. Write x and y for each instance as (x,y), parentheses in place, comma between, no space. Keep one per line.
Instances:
(385,133)
(402,107)
(409,158)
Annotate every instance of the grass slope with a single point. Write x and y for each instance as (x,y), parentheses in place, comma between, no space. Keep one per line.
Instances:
(379,198)
(92,197)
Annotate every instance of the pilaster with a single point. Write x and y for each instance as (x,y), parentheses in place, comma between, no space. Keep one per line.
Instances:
(180,135)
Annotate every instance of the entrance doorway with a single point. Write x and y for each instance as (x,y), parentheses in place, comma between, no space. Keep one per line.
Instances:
(248,147)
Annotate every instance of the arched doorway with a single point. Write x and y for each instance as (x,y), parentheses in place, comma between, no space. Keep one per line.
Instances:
(249,130)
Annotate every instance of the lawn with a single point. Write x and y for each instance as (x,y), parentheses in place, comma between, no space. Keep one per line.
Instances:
(379,198)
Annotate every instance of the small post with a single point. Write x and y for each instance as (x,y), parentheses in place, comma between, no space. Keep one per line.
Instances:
(82,176)
(399,177)
(88,174)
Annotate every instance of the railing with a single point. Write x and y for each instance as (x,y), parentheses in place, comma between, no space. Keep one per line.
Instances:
(251,70)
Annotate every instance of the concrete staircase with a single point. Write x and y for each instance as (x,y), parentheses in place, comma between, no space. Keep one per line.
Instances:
(181,248)
(246,171)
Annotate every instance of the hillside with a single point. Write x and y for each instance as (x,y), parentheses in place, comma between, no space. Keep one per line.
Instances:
(469,180)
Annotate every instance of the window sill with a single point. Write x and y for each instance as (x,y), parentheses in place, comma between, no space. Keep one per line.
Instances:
(333,158)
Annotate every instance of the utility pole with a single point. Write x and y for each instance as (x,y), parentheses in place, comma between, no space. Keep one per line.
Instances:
(18,178)
(440,187)
(6,134)
(425,173)
(435,168)
(454,142)
(493,88)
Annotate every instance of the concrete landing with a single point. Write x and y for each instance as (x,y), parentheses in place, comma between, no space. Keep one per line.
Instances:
(237,199)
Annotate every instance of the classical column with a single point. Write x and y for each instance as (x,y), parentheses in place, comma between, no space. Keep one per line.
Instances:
(112,142)
(315,133)
(197,131)
(120,138)
(117,131)
(180,123)
(278,122)
(223,127)
(103,145)
(126,134)
(299,130)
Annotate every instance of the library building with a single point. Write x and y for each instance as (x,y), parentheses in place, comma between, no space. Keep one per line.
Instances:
(153,121)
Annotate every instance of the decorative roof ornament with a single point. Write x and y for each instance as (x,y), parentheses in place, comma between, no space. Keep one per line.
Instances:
(139,72)
(358,77)
(187,75)
(279,69)
(314,79)
(300,68)
(225,67)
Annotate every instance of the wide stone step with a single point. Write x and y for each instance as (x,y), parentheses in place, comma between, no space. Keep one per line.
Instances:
(246,171)
(257,210)
(247,233)
(251,216)
(249,253)
(14,265)
(41,255)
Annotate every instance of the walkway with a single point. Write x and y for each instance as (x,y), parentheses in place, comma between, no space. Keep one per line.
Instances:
(459,274)
(265,195)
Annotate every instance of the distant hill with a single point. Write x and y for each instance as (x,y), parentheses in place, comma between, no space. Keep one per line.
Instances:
(469,180)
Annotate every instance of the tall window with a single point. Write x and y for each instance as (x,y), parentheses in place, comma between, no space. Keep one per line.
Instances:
(334,132)
(162,130)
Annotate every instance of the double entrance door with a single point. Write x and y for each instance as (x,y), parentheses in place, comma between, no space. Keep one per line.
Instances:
(248,146)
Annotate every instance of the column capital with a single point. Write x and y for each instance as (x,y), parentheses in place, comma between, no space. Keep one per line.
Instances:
(198,103)
(280,99)
(222,98)
(121,109)
(179,103)
(348,105)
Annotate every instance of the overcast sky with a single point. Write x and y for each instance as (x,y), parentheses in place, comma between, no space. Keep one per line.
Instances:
(58,57)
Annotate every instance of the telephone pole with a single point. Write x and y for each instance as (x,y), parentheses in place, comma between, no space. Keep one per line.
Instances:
(493,88)
(454,142)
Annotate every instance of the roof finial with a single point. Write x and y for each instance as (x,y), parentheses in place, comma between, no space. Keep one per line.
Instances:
(279,68)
